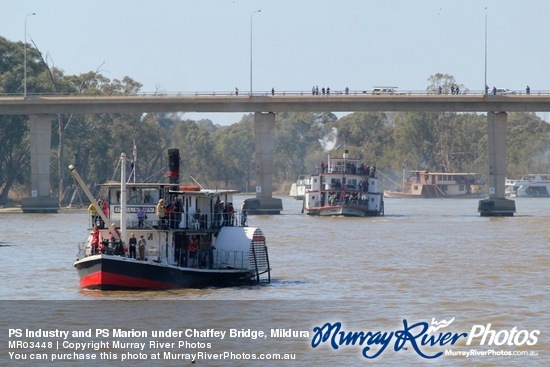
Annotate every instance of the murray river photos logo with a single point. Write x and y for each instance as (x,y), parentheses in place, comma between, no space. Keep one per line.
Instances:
(421,337)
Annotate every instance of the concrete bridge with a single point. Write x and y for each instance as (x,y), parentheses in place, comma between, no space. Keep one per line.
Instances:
(264,107)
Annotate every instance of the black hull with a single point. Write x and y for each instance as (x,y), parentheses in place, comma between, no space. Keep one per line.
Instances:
(109,272)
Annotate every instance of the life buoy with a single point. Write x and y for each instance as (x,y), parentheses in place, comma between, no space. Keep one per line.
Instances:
(190,188)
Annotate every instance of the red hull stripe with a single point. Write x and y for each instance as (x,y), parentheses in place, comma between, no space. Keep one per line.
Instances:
(102,279)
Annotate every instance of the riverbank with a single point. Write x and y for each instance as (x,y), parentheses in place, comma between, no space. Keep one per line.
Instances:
(17,209)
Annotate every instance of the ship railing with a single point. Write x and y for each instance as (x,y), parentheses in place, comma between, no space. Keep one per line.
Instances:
(180,220)
(354,202)
(215,259)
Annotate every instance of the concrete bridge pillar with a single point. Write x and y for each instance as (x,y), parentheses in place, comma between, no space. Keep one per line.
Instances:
(40,127)
(497,204)
(264,132)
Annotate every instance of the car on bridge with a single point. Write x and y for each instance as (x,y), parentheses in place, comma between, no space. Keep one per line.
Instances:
(503,91)
(384,90)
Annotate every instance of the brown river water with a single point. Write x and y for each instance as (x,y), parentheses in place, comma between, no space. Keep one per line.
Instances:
(425,260)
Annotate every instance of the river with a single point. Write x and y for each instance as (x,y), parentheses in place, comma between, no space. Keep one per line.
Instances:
(425,259)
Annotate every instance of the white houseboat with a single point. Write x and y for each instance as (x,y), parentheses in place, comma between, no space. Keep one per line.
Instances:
(298,189)
(531,185)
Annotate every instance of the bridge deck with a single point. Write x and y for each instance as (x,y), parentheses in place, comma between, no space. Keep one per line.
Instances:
(276,103)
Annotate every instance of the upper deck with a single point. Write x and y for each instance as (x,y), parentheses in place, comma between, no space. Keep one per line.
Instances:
(190,207)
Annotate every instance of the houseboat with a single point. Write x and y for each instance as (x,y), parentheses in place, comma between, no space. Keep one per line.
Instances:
(424,184)
(531,185)
(344,187)
(298,189)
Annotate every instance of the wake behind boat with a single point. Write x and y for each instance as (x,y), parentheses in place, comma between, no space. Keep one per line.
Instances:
(344,187)
(181,237)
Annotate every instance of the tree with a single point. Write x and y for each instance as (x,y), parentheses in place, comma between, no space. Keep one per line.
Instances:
(368,135)
(445,81)
(297,139)
(528,147)
(234,153)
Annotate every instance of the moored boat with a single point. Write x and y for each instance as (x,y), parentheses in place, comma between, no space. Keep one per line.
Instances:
(344,187)
(531,185)
(189,237)
(298,189)
(425,184)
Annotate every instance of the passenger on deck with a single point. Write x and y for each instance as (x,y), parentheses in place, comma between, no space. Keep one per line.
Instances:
(132,242)
(115,244)
(193,250)
(161,213)
(104,205)
(95,241)
(169,215)
(93,214)
(178,213)
(141,247)
(365,185)
(230,214)
(218,213)
(244,210)
(141,217)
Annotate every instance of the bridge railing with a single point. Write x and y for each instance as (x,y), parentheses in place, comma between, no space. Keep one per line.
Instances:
(333,93)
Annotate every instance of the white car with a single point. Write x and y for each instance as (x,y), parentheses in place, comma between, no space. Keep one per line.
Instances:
(503,91)
(384,90)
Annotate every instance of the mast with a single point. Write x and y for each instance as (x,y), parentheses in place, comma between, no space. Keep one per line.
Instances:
(99,211)
(123,196)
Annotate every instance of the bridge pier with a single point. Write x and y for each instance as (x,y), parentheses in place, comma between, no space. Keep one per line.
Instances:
(40,201)
(497,205)
(264,132)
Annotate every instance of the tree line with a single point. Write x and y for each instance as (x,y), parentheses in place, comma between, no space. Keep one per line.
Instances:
(223,156)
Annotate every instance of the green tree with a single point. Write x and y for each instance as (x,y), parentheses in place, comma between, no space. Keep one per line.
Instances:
(445,81)
(528,147)
(298,137)
(234,153)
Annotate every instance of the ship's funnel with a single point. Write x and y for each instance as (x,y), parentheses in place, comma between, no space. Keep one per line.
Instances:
(174,166)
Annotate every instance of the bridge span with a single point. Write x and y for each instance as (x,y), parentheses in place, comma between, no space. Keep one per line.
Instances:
(276,103)
(264,107)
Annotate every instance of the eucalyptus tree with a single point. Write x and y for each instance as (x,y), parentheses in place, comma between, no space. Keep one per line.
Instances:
(234,153)
(415,139)
(367,135)
(444,81)
(528,148)
(297,137)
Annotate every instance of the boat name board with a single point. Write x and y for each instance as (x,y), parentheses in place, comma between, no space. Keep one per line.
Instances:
(134,209)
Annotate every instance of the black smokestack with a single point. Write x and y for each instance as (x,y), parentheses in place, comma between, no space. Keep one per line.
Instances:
(174,166)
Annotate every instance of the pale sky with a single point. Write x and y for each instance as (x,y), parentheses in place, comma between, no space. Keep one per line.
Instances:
(204,45)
